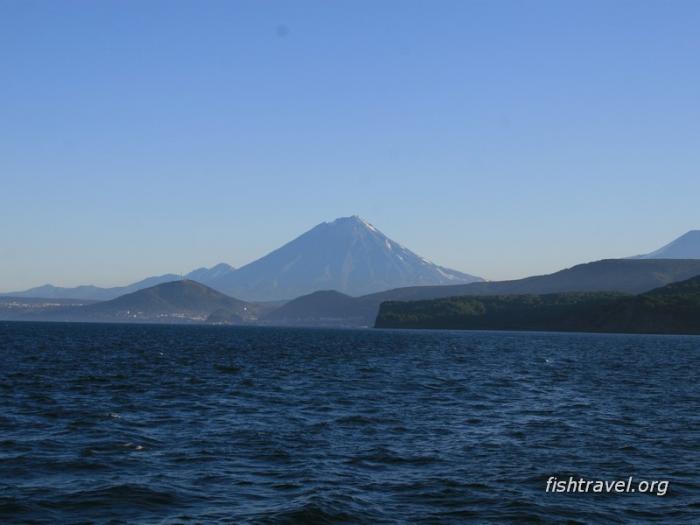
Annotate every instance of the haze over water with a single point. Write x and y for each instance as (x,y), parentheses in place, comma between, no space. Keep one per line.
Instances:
(172,424)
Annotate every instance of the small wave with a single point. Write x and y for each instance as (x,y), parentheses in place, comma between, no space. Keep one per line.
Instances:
(133,446)
(228,369)
(10,507)
(318,513)
(388,457)
(126,494)
(357,420)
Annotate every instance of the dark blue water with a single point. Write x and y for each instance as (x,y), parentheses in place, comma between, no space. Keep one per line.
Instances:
(170,424)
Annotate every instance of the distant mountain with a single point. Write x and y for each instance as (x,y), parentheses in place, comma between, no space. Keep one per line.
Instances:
(49,291)
(176,301)
(209,275)
(672,309)
(687,246)
(96,293)
(89,292)
(612,275)
(348,255)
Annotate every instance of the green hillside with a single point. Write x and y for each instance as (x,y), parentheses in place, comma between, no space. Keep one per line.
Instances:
(672,309)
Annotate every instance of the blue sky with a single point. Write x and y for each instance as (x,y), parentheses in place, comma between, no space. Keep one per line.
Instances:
(499,138)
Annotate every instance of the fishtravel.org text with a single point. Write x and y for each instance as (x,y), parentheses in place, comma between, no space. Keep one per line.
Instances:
(621,486)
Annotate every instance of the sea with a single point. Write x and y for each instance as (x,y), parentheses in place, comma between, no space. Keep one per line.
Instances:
(165,424)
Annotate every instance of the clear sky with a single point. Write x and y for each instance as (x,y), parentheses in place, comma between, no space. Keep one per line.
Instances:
(498,138)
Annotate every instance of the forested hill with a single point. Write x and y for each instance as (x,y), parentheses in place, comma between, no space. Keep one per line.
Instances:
(672,309)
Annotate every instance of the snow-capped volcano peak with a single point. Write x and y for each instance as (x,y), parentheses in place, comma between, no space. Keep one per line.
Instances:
(353,220)
(348,254)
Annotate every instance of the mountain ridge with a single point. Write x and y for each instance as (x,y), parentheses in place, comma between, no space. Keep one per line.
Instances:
(631,276)
(189,301)
(90,292)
